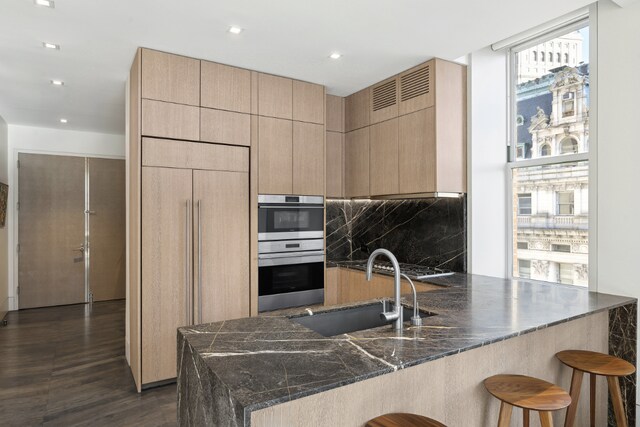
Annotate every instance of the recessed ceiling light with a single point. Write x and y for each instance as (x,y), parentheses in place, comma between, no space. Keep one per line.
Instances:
(51,45)
(45,3)
(57,82)
(235,30)
(335,55)
(63,120)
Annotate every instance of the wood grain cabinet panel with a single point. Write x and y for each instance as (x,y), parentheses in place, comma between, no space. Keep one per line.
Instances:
(308,102)
(225,127)
(275,156)
(225,88)
(170,78)
(417,152)
(334,169)
(383,158)
(275,96)
(384,100)
(193,155)
(332,284)
(167,120)
(335,113)
(356,156)
(416,88)
(308,159)
(221,228)
(166,267)
(356,110)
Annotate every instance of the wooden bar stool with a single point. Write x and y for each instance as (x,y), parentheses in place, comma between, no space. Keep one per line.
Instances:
(403,420)
(528,393)
(595,364)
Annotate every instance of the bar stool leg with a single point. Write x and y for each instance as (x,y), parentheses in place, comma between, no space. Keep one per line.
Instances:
(616,399)
(574,392)
(505,415)
(592,400)
(525,417)
(545,419)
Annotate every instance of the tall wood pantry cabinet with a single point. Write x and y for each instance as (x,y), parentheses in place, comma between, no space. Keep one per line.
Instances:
(189,216)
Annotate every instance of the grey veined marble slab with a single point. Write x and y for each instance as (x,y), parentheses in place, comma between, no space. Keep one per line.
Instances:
(228,369)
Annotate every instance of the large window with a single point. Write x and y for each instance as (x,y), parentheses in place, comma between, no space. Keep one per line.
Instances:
(549,157)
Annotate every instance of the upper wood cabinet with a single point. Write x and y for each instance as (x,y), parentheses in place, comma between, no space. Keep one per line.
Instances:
(275,156)
(169,120)
(225,127)
(193,155)
(308,159)
(225,87)
(170,78)
(334,169)
(383,158)
(417,133)
(384,100)
(335,113)
(308,102)
(356,109)
(356,154)
(275,96)
(416,89)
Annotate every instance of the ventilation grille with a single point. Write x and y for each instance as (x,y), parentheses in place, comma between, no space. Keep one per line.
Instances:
(414,84)
(384,95)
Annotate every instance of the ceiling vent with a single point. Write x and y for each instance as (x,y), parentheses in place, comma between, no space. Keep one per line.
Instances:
(414,84)
(384,95)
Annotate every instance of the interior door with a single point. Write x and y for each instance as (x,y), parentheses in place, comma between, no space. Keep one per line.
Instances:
(221,245)
(51,230)
(166,267)
(107,226)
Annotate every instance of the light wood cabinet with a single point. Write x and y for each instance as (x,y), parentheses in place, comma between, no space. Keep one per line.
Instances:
(275,156)
(356,108)
(193,155)
(383,158)
(170,78)
(225,127)
(167,120)
(334,170)
(221,242)
(356,154)
(308,102)
(166,267)
(191,221)
(416,91)
(417,152)
(348,286)
(275,96)
(308,159)
(335,113)
(225,88)
(384,100)
(417,125)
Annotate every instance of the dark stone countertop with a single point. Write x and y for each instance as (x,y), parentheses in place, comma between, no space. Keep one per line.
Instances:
(270,359)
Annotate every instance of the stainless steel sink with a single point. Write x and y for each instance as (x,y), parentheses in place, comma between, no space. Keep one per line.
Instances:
(350,320)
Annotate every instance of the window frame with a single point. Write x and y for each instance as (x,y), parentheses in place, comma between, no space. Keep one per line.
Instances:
(513,163)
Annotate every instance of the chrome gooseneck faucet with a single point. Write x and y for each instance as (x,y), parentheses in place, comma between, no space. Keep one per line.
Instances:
(396,314)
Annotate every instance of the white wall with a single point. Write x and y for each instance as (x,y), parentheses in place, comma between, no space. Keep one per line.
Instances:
(618,205)
(487,154)
(48,141)
(4,233)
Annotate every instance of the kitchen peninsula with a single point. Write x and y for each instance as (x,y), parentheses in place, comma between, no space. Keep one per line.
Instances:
(272,371)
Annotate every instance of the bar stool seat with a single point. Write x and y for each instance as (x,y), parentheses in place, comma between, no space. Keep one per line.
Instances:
(594,364)
(403,420)
(528,393)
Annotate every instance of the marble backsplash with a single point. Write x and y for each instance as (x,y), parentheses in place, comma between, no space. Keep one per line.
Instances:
(431,232)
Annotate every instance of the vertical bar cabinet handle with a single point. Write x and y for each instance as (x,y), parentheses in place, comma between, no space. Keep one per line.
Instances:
(199,261)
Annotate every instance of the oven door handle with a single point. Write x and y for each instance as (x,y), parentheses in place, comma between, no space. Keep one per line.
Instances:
(291,206)
(290,260)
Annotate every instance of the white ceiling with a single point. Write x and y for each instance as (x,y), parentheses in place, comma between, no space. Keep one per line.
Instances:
(98,38)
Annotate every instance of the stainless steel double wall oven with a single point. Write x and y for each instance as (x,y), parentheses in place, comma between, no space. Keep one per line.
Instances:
(290,251)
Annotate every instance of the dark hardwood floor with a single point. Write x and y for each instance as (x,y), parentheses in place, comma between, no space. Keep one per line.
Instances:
(66,366)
